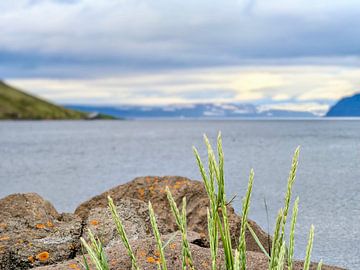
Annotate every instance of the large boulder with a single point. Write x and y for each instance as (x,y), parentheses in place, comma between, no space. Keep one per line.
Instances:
(33,233)
(147,256)
(152,188)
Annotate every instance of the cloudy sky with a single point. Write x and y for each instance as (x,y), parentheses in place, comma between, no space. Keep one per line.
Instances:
(298,54)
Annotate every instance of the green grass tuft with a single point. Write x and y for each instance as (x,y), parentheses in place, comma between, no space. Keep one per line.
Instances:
(281,256)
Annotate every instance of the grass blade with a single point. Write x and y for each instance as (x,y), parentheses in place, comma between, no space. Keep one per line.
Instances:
(257,240)
(292,234)
(121,231)
(319,266)
(244,218)
(275,249)
(309,248)
(95,251)
(157,237)
(281,259)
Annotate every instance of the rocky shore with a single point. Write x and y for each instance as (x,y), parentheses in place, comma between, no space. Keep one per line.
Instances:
(34,235)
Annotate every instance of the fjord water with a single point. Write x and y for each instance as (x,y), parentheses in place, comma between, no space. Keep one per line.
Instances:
(67,162)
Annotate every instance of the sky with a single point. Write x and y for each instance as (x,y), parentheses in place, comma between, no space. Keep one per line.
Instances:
(277,54)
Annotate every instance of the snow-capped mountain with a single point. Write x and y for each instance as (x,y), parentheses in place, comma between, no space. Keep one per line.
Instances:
(188,111)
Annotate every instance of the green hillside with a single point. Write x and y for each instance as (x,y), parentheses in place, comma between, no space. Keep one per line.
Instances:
(15,104)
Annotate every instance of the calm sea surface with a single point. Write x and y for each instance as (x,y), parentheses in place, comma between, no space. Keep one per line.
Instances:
(68,162)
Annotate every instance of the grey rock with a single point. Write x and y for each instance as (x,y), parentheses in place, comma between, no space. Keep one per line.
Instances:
(33,233)
(133,213)
(147,256)
(152,188)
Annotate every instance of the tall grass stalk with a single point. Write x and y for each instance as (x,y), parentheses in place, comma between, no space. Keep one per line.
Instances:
(276,244)
(291,180)
(213,239)
(237,260)
(292,234)
(309,248)
(218,204)
(121,231)
(157,237)
(281,258)
(245,211)
(181,223)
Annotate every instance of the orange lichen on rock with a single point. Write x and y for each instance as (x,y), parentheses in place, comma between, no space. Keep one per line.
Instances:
(43,256)
(4,238)
(177,185)
(152,260)
(141,192)
(173,246)
(141,253)
(31,259)
(157,253)
(49,224)
(94,222)
(74,266)
(151,189)
(40,226)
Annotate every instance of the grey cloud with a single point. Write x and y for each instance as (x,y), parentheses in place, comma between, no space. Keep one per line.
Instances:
(93,38)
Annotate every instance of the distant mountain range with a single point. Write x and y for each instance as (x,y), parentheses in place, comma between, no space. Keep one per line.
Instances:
(16,104)
(189,111)
(346,107)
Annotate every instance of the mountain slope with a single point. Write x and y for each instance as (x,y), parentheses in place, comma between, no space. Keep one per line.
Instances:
(346,107)
(15,104)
